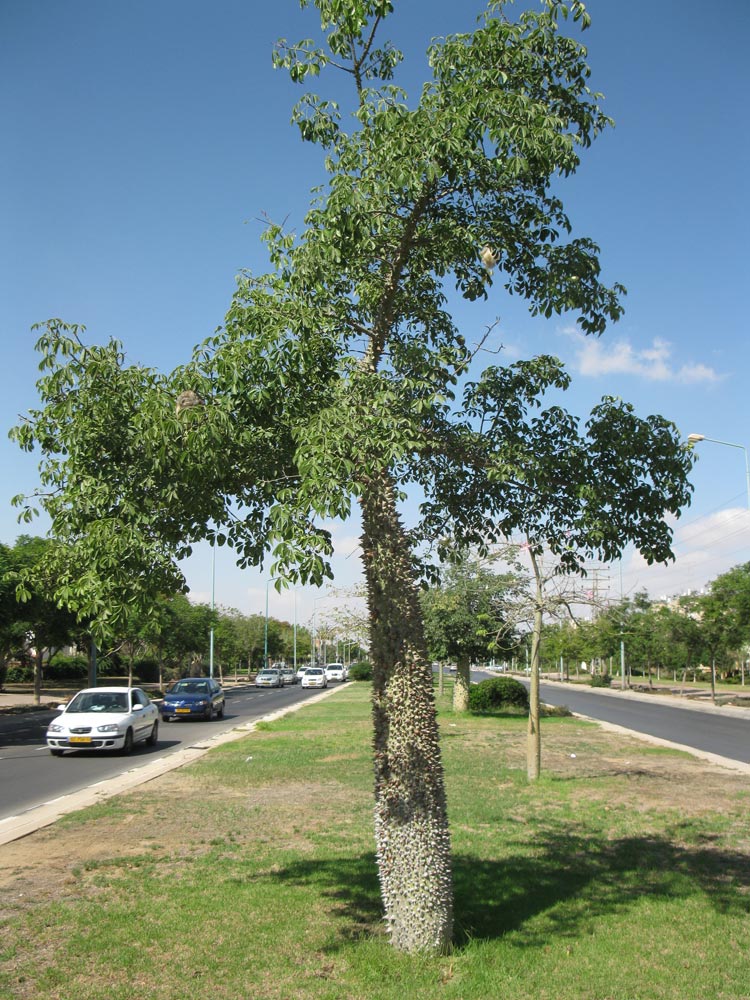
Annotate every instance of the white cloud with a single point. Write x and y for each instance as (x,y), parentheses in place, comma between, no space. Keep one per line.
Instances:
(656,363)
(704,549)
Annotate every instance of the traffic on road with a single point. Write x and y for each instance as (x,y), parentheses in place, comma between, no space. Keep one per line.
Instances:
(29,777)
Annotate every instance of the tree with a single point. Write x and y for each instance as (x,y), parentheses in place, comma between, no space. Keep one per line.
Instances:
(464,620)
(39,622)
(731,591)
(187,633)
(548,592)
(334,381)
(8,611)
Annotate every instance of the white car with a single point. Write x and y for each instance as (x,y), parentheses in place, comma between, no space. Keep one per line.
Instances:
(105,718)
(314,677)
(335,672)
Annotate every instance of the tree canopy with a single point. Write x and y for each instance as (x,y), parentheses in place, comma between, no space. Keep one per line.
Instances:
(340,377)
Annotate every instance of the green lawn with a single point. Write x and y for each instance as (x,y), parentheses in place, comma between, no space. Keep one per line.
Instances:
(623,874)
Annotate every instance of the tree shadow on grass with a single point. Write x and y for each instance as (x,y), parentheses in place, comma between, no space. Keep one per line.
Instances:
(593,876)
(352,886)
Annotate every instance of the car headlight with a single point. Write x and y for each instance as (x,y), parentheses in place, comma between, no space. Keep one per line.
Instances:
(202,703)
(112,727)
(54,728)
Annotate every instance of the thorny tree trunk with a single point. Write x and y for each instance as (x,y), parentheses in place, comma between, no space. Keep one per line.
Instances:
(461,685)
(411,823)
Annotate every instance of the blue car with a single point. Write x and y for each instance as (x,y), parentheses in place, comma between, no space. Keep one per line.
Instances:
(193,697)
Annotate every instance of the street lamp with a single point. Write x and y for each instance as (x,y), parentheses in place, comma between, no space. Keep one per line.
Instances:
(265,630)
(213,595)
(695,438)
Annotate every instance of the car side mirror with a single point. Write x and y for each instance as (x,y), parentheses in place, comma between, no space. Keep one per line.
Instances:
(137,708)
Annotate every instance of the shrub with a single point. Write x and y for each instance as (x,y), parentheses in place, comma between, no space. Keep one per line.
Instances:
(147,671)
(63,668)
(497,694)
(600,680)
(360,671)
(20,673)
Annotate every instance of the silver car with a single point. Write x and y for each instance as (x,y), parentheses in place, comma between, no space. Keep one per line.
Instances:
(268,679)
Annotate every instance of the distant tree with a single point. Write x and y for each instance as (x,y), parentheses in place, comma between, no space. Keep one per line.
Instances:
(8,611)
(464,620)
(550,591)
(187,633)
(40,623)
(732,592)
(227,640)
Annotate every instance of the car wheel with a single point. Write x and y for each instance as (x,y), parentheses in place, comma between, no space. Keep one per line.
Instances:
(55,751)
(209,713)
(127,747)
(220,713)
(166,718)
(154,735)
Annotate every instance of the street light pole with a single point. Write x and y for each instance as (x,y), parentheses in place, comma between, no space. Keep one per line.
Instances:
(294,634)
(265,632)
(316,600)
(695,438)
(213,592)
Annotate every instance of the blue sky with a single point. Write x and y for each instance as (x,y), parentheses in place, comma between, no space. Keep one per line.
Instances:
(144,143)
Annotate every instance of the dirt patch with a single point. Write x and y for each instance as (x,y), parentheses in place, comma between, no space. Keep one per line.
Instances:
(176,814)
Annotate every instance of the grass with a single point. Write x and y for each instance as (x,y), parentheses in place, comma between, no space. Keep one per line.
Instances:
(622,874)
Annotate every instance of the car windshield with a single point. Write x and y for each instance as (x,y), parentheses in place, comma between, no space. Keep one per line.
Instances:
(99,701)
(190,687)
(314,670)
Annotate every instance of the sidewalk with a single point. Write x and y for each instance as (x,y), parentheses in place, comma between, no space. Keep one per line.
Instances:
(657,695)
(25,700)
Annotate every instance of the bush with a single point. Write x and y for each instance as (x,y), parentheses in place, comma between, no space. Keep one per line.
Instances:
(63,668)
(19,673)
(497,694)
(146,671)
(600,680)
(360,671)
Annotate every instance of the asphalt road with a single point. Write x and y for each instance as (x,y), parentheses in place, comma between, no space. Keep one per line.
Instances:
(724,733)
(30,776)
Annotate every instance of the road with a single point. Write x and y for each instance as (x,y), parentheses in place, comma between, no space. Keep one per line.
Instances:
(721,733)
(30,776)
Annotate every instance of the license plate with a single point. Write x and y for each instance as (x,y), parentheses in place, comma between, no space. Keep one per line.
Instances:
(183,710)
(79,739)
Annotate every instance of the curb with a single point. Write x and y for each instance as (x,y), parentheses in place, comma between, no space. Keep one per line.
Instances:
(712,758)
